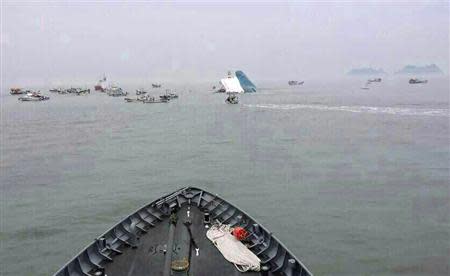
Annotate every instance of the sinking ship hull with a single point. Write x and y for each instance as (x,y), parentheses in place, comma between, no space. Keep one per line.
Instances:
(245,82)
(153,240)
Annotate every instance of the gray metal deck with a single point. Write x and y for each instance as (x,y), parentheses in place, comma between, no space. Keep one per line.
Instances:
(155,237)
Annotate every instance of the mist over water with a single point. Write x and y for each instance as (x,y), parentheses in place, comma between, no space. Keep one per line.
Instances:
(354,181)
(45,43)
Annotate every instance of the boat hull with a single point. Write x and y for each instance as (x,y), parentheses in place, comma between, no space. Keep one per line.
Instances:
(150,240)
(99,88)
(245,82)
(34,99)
(418,82)
(293,83)
(155,101)
(128,100)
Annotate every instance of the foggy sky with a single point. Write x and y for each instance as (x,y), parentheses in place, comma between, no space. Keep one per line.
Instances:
(45,41)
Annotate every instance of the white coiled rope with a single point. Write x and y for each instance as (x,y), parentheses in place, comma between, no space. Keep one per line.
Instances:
(232,249)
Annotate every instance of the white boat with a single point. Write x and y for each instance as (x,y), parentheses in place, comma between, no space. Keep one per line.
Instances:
(140,92)
(34,97)
(18,91)
(115,91)
(149,99)
(131,100)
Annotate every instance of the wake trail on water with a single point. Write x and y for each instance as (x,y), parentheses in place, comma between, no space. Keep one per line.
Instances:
(403,111)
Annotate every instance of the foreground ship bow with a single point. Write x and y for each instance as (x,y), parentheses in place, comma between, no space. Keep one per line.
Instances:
(169,237)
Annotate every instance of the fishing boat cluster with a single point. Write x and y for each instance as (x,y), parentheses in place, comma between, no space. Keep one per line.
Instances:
(102,86)
(143,97)
(75,91)
(234,84)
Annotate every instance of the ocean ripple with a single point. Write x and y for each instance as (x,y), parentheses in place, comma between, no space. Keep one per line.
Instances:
(435,112)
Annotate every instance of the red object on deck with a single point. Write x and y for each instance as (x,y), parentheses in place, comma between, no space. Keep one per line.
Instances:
(240,233)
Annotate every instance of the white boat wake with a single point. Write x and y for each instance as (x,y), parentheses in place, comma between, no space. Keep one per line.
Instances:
(436,112)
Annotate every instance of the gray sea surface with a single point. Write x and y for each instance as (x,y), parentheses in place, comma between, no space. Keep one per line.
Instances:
(353,181)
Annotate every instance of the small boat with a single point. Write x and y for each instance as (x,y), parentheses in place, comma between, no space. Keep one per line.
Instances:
(155,85)
(80,91)
(140,92)
(55,90)
(416,81)
(34,97)
(187,232)
(232,98)
(150,101)
(30,99)
(138,99)
(374,80)
(295,82)
(169,95)
(73,90)
(164,97)
(131,100)
(154,100)
(101,85)
(220,90)
(115,91)
(17,91)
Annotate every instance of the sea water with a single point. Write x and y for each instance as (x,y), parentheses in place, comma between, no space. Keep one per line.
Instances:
(353,181)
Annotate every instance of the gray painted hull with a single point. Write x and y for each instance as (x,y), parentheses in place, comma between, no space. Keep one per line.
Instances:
(138,245)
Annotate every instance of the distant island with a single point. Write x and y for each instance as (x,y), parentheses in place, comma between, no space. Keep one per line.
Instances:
(366,72)
(426,69)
